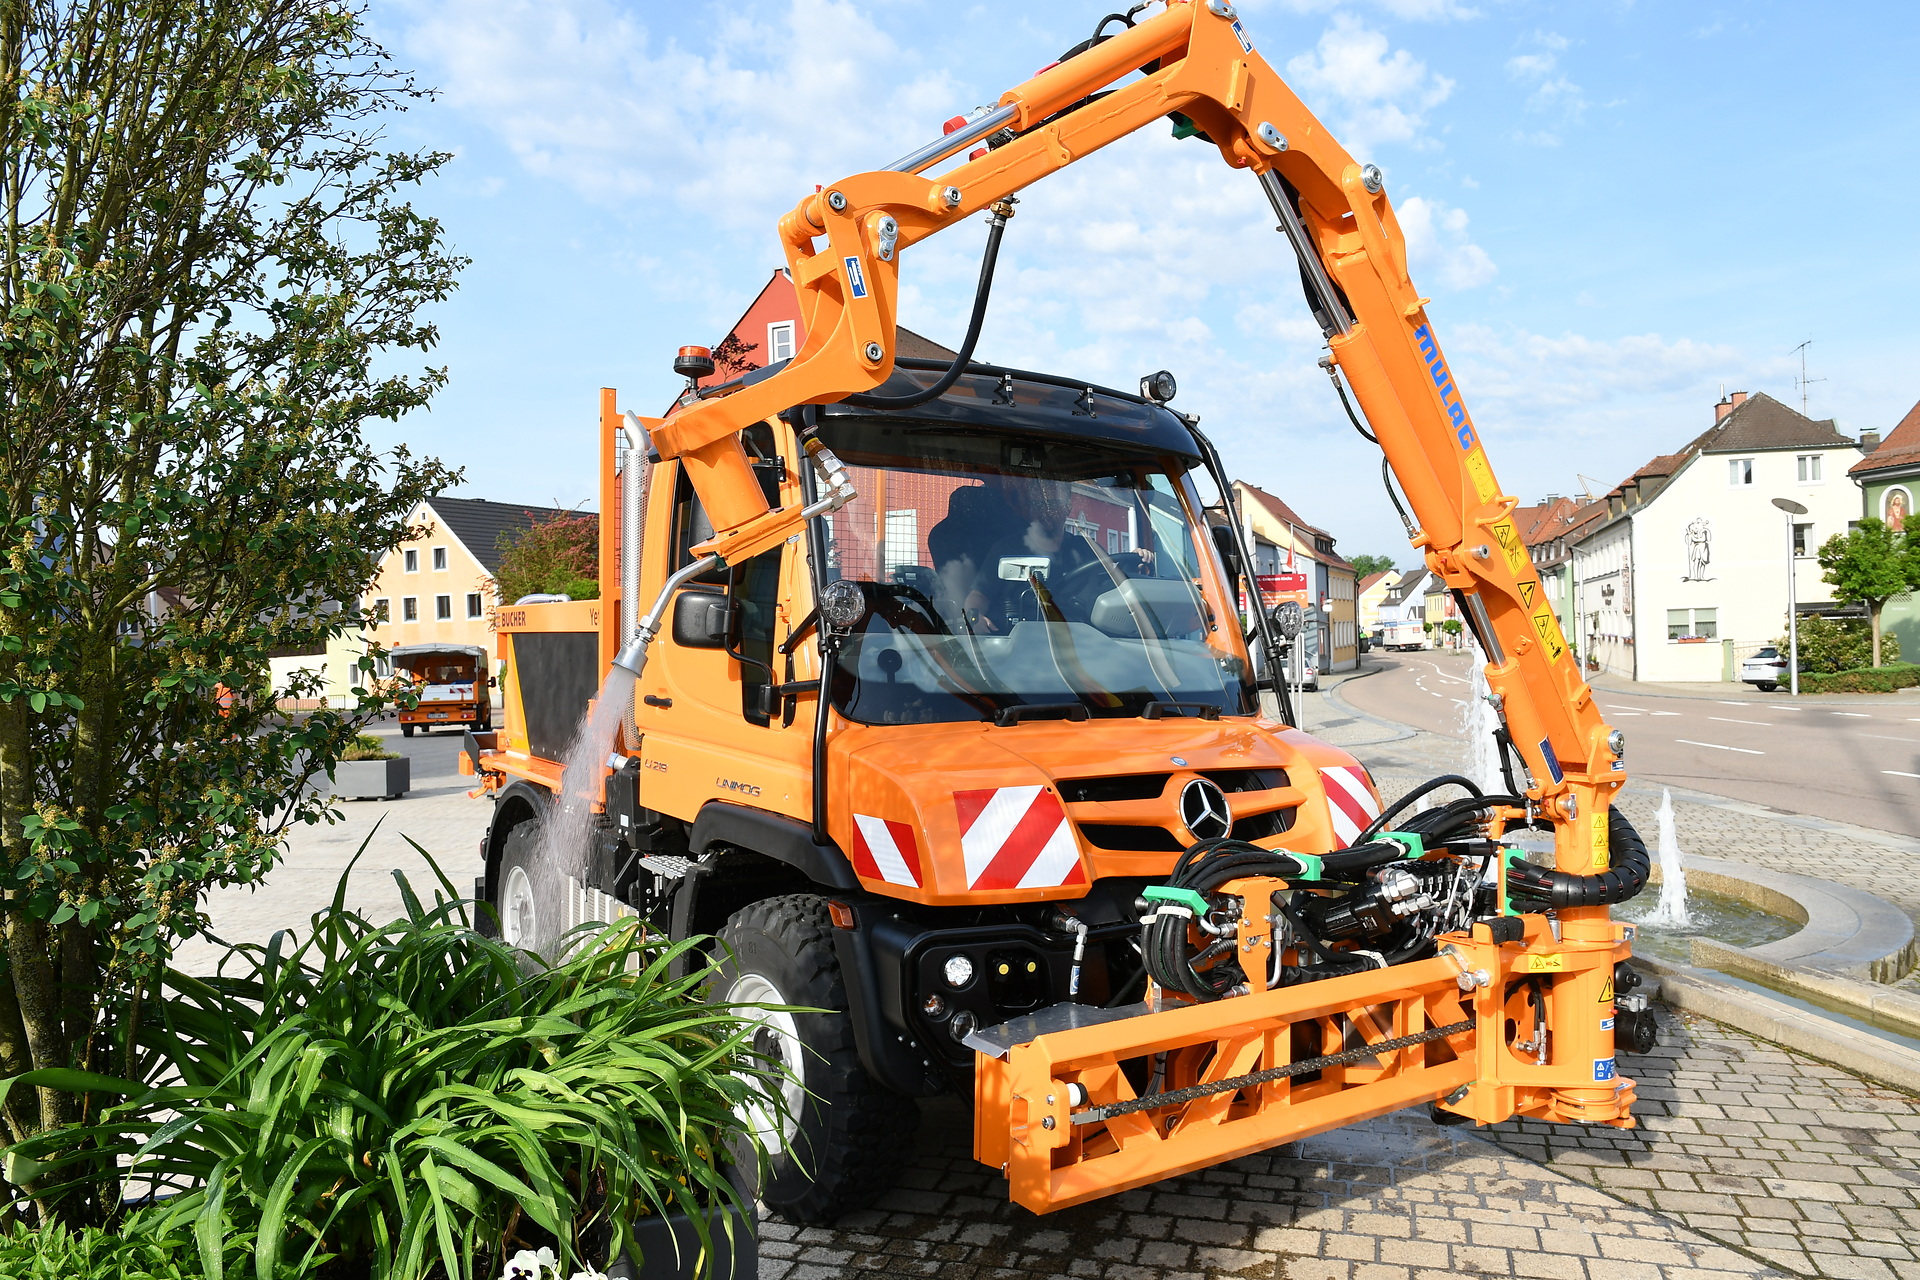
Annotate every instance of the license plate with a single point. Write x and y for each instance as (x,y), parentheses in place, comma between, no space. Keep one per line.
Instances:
(436,715)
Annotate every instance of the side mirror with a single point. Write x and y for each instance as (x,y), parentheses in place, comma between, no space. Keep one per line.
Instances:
(700,620)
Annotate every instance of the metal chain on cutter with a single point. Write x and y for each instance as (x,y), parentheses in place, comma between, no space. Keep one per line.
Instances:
(1192,1093)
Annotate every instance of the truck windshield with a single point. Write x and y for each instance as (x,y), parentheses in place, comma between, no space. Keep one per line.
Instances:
(1002,572)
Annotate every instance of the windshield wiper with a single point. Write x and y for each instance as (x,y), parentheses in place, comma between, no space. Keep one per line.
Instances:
(1074,711)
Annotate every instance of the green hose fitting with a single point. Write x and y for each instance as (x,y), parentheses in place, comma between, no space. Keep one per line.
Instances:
(1185,897)
(1312,866)
(1411,841)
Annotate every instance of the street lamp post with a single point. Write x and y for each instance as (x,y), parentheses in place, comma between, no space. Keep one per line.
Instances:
(1790,509)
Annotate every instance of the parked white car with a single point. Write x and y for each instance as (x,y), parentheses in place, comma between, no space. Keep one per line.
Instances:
(1766,669)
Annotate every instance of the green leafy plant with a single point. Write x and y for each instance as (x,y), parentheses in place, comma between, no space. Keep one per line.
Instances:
(1838,644)
(1882,679)
(1870,564)
(367,747)
(553,553)
(415,1098)
(140,1248)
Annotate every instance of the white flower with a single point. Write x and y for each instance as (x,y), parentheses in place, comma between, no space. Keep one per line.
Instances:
(530,1265)
(589,1275)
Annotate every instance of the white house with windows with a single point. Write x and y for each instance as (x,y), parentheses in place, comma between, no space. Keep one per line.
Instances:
(1686,572)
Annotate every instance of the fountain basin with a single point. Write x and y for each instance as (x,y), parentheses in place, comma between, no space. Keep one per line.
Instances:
(1846,932)
(1715,915)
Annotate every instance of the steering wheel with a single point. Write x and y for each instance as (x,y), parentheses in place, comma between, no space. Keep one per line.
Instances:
(1073,583)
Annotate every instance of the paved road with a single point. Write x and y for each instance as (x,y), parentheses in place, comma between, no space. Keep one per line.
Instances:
(1851,761)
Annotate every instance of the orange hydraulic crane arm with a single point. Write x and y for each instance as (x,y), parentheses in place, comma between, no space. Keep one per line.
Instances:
(1197,60)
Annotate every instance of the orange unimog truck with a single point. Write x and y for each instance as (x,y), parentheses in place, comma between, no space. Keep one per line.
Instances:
(921,687)
(452,685)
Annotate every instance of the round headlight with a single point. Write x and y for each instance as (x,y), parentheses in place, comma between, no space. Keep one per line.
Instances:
(843,604)
(958,971)
(1617,743)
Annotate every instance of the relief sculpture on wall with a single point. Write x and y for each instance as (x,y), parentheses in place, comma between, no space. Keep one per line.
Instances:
(1699,540)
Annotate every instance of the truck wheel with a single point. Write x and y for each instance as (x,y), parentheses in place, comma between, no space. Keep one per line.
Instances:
(406,731)
(842,1139)
(530,892)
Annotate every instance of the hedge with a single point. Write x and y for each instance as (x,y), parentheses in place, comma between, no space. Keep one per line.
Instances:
(1903,675)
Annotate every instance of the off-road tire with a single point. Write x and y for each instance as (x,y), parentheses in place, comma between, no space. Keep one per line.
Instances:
(521,852)
(853,1137)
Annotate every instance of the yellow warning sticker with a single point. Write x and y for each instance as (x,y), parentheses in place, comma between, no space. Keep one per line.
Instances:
(1606,990)
(1482,475)
(1601,859)
(1527,590)
(1509,539)
(1540,964)
(1548,629)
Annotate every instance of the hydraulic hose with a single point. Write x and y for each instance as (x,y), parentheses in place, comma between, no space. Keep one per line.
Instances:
(996,227)
(1625,877)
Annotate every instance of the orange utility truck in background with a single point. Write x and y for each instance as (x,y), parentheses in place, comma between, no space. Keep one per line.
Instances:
(921,687)
(452,684)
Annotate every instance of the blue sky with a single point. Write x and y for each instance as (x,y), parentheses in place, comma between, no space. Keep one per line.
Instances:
(1618,210)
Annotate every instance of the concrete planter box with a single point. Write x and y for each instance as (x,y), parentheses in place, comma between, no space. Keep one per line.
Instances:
(372,779)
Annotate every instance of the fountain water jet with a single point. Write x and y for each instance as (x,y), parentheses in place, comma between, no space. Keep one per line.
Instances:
(1671,910)
(1478,720)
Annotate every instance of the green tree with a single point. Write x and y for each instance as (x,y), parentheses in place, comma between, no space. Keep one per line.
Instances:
(1839,644)
(210,280)
(557,553)
(1367,566)
(1870,564)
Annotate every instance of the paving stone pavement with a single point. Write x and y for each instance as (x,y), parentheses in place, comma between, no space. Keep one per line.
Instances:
(1396,1198)
(436,814)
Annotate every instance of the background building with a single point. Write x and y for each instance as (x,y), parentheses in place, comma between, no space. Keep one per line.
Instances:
(1889,481)
(1284,543)
(1686,572)
(1368,595)
(439,585)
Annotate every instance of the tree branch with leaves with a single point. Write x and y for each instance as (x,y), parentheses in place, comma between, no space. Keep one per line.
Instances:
(1870,564)
(210,265)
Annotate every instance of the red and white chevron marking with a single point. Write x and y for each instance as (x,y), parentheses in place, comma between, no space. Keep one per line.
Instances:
(884,850)
(1016,838)
(1350,801)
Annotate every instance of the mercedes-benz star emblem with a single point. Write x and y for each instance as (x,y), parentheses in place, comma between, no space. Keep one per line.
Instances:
(1203,808)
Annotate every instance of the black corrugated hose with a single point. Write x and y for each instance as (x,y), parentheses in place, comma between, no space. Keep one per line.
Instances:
(1625,876)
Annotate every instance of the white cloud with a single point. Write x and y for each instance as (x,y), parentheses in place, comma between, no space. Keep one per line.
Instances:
(1437,244)
(1378,97)
(584,94)
(1553,94)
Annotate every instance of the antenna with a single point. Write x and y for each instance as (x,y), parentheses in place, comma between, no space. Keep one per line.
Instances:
(1803,379)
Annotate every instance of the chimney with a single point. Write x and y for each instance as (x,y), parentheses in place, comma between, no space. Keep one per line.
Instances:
(1739,398)
(1869,439)
(1721,410)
